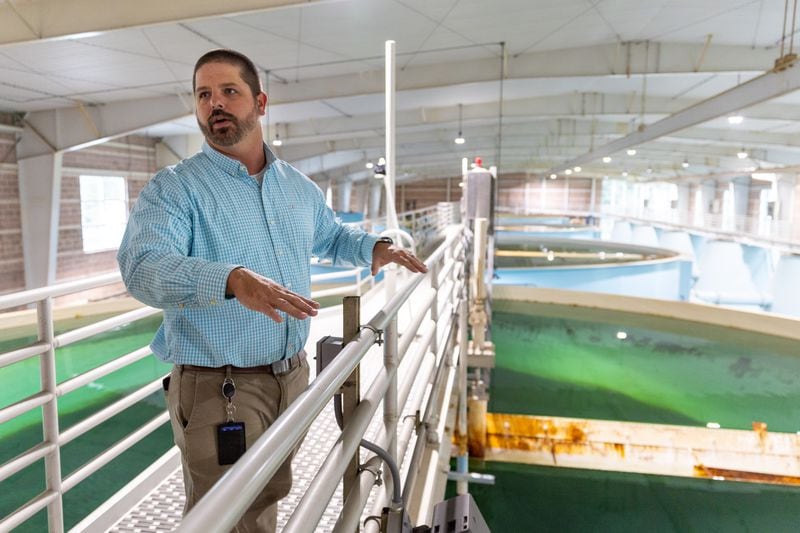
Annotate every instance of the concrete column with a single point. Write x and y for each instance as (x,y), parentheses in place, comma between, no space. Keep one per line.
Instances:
(345,193)
(709,189)
(684,200)
(40,198)
(375,192)
(741,201)
(785,197)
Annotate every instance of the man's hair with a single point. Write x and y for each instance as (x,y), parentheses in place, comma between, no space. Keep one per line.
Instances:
(247,70)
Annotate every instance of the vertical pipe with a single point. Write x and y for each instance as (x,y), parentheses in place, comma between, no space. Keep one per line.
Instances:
(462,464)
(391,412)
(435,269)
(52,461)
(389,181)
(351,388)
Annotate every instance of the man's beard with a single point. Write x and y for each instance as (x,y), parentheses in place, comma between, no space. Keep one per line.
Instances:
(229,135)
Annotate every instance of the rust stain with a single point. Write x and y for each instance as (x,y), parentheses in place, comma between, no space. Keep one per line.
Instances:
(727,474)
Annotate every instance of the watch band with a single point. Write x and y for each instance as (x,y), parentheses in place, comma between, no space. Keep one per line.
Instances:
(387,240)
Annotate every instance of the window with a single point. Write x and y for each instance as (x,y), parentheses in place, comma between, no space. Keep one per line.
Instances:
(104,212)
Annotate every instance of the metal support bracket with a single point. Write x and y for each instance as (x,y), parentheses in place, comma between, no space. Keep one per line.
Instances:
(378,332)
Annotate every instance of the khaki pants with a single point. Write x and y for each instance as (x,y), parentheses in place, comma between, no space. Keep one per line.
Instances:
(196,407)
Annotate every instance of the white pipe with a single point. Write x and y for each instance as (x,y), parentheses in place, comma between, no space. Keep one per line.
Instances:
(28,510)
(391,406)
(104,458)
(389,180)
(432,465)
(102,370)
(418,314)
(78,429)
(34,295)
(419,371)
(47,372)
(228,499)
(9,358)
(26,459)
(23,406)
(104,325)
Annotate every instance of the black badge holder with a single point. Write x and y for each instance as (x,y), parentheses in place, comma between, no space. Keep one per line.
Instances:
(231,442)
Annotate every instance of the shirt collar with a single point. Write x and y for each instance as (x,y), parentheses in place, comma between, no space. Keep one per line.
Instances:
(232,166)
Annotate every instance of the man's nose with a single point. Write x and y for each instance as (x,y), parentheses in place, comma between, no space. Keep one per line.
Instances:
(216,102)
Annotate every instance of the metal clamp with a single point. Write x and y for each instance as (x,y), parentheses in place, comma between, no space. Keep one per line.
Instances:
(377,472)
(378,332)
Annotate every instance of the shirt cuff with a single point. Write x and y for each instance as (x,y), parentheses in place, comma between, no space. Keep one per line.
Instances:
(367,245)
(211,283)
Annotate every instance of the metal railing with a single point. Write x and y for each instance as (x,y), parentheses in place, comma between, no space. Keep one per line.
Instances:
(779,234)
(45,347)
(227,501)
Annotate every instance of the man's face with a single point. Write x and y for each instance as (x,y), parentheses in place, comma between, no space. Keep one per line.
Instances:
(227,110)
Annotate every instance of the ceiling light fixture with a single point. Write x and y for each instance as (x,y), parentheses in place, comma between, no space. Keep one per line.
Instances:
(369,164)
(380,169)
(735,119)
(631,151)
(685,163)
(553,176)
(742,154)
(568,171)
(606,159)
(460,139)
(577,169)
(277,140)
(624,173)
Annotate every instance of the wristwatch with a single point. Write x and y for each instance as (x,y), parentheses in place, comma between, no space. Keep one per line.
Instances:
(387,240)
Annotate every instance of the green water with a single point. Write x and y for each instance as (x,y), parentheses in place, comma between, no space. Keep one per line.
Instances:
(551,366)
(20,434)
(528,498)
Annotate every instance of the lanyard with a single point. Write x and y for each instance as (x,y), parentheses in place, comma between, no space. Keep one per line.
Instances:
(228,392)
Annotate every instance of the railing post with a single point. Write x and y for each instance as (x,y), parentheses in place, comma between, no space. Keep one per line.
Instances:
(435,269)
(462,460)
(351,388)
(52,461)
(391,412)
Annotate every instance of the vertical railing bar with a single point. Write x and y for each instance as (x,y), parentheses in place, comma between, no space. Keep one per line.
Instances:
(52,461)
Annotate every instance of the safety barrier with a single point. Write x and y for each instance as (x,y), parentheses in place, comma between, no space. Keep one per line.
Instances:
(430,335)
(54,439)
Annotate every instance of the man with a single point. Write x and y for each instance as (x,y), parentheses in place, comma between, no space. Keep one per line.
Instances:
(222,242)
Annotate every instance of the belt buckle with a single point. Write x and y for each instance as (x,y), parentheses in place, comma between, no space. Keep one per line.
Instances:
(281,367)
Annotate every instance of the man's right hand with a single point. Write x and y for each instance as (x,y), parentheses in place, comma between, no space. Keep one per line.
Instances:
(263,295)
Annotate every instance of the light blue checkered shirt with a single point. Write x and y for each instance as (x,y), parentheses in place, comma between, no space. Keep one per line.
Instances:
(195,222)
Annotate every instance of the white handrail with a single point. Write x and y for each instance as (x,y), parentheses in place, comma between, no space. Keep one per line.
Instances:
(50,447)
(222,506)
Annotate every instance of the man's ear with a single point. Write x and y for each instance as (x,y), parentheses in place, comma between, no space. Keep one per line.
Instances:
(261,99)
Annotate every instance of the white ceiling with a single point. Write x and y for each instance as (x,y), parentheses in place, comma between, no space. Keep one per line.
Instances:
(567,87)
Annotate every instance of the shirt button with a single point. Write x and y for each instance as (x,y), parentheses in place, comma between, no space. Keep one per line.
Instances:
(213,301)
(288,285)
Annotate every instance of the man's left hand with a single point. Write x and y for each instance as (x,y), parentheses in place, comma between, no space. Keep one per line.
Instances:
(385,253)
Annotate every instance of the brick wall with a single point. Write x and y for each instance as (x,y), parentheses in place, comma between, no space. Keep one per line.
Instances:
(131,157)
(12,270)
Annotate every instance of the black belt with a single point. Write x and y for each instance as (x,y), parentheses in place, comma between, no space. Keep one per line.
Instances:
(278,367)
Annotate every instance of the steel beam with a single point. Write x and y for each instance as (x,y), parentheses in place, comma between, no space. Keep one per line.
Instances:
(37,20)
(39,197)
(81,126)
(770,85)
